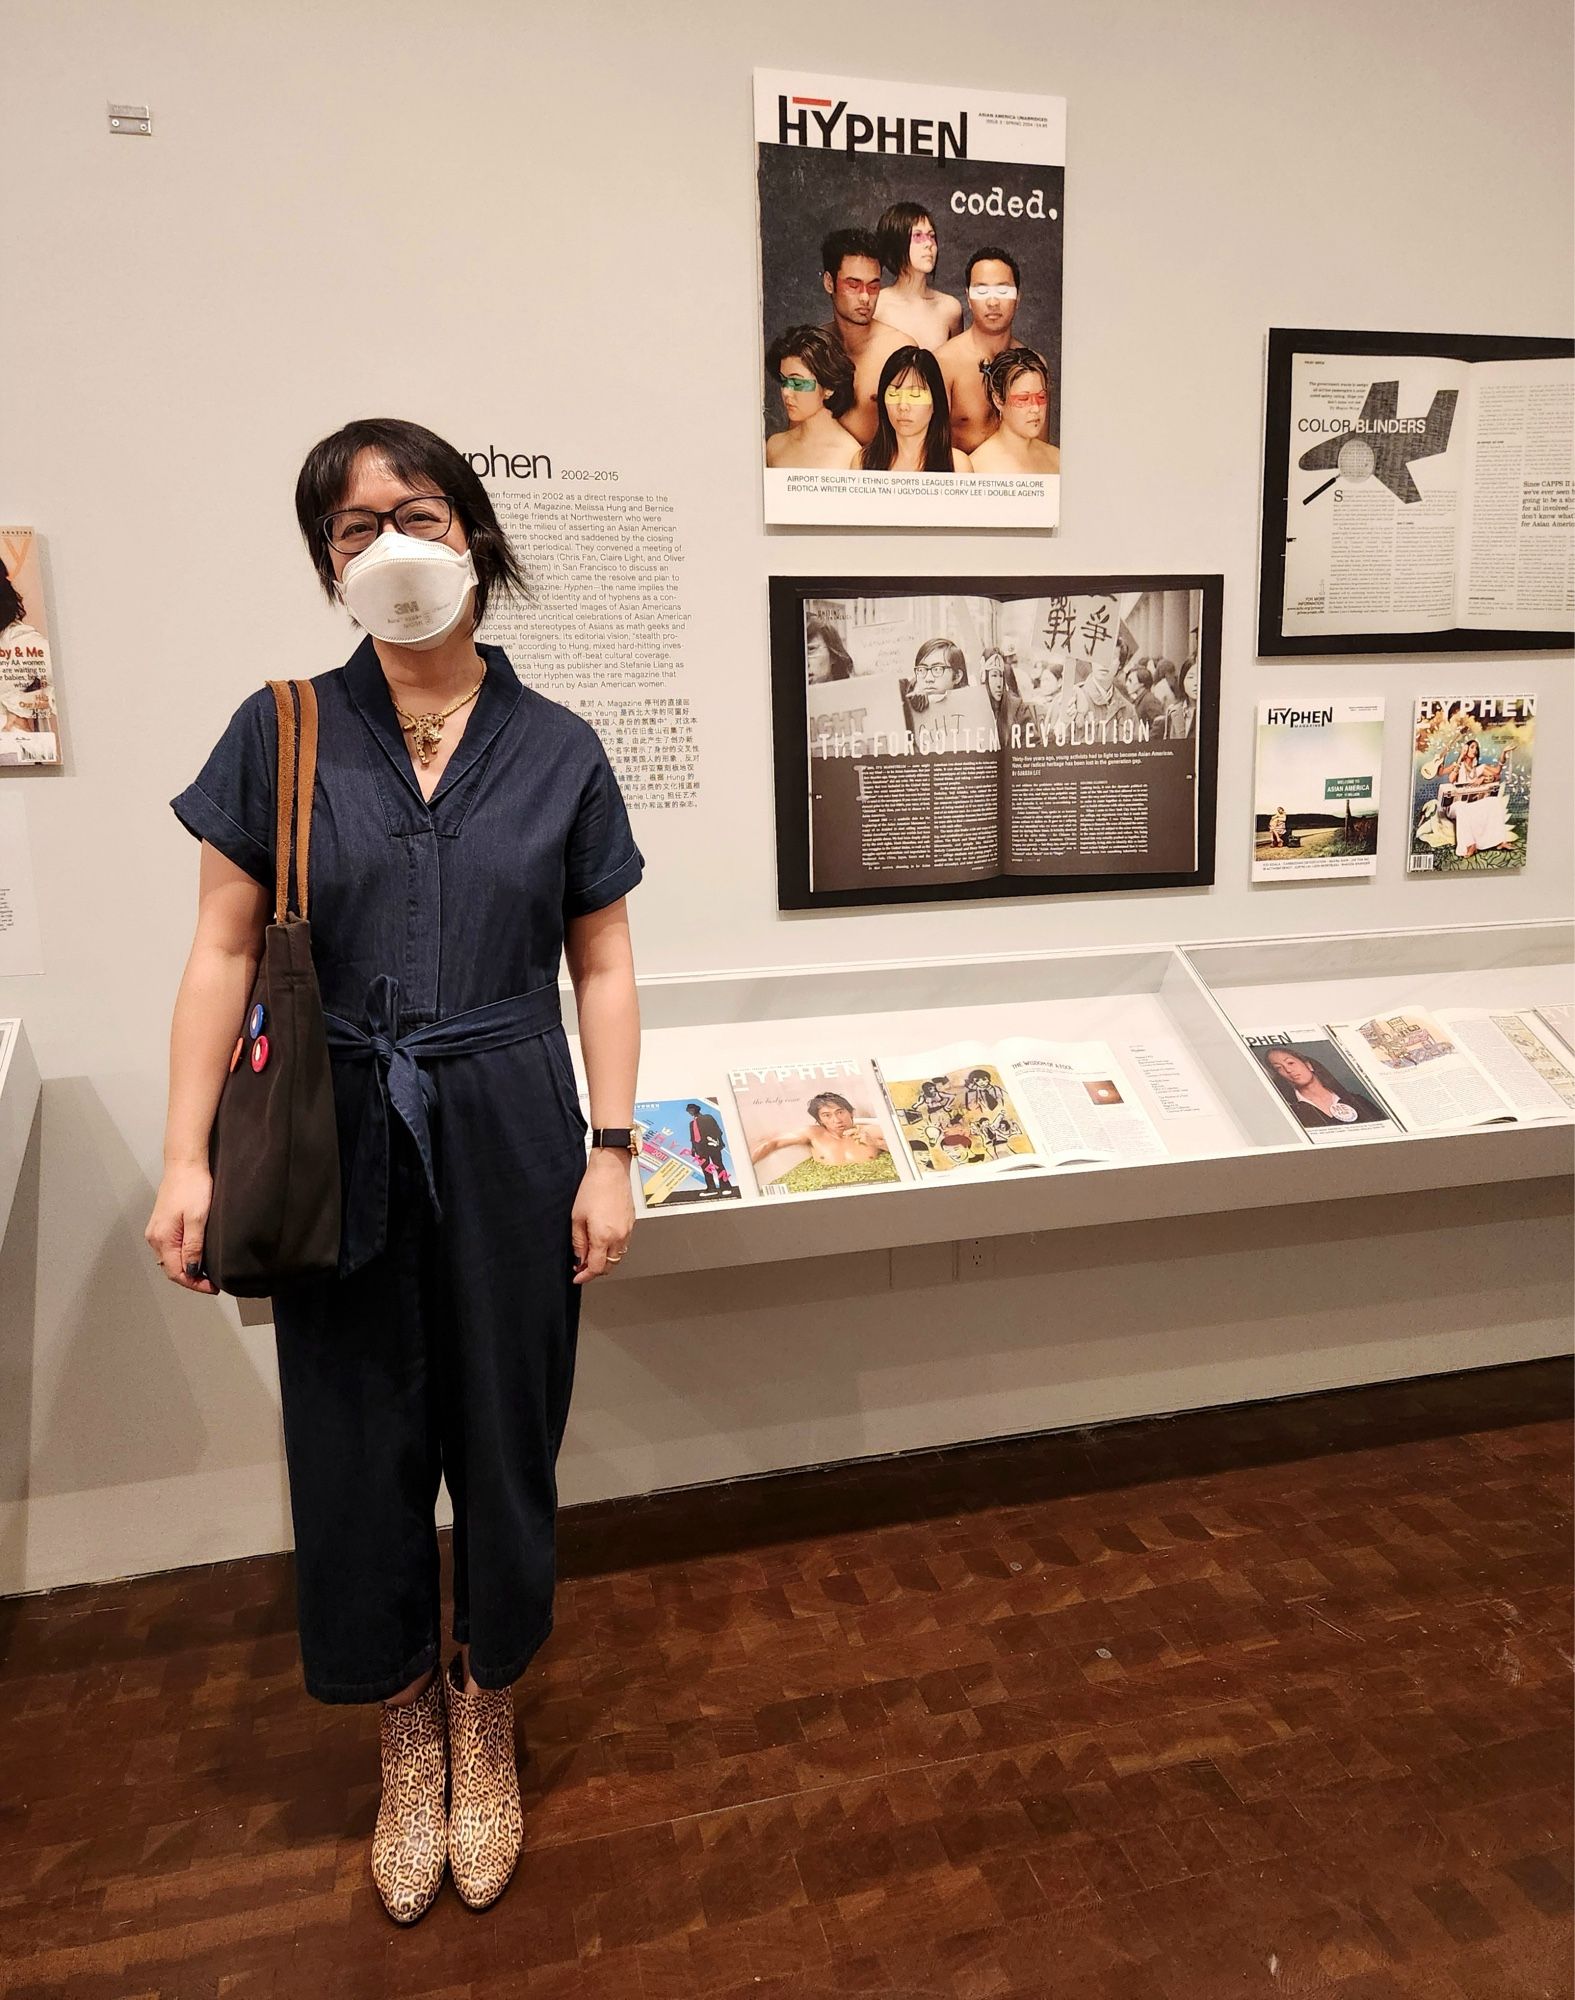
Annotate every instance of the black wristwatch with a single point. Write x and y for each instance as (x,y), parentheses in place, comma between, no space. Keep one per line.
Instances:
(618,1138)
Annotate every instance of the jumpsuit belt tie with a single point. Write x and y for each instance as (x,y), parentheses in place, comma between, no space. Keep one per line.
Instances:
(397,1081)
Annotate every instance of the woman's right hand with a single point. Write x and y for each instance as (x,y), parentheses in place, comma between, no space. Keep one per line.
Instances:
(178,1223)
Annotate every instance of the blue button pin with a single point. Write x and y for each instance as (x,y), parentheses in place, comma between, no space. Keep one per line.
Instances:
(256,1021)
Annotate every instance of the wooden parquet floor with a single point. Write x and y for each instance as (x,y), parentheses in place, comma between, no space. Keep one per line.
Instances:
(1293,1720)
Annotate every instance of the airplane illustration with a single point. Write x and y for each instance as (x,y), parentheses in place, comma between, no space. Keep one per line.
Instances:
(1365,451)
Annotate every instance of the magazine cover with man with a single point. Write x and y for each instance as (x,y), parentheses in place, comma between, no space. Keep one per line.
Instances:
(815,1127)
(1471,783)
(910,286)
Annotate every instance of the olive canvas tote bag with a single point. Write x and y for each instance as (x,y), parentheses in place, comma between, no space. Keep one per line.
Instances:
(274,1149)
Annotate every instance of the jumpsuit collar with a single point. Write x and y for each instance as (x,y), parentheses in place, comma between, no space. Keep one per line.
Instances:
(500,693)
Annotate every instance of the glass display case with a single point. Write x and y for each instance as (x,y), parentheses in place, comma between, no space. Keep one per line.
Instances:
(1173,1016)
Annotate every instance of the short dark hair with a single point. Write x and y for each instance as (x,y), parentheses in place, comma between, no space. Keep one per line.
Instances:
(991,254)
(1144,669)
(822,1098)
(1011,362)
(847,243)
(893,231)
(12,609)
(413,453)
(950,652)
(827,360)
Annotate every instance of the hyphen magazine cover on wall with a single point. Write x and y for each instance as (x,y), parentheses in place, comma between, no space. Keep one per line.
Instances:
(1318,770)
(910,278)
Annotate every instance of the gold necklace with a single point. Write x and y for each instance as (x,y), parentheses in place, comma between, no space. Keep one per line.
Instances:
(424,730)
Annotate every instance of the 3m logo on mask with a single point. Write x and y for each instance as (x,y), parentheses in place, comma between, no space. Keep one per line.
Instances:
(927,138)
(407,607)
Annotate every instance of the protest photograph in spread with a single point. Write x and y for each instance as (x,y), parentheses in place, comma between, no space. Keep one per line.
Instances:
(992,736)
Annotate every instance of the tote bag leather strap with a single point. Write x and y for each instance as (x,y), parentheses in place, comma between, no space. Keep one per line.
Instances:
(296,702)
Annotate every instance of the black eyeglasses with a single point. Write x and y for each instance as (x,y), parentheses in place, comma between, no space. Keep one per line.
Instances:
(427,517)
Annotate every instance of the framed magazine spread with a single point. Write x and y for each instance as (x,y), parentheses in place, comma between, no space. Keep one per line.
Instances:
(1416,493)
(939,738)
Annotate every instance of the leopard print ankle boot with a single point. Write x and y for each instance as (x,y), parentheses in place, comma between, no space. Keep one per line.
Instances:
(410,1840)
(484,1821)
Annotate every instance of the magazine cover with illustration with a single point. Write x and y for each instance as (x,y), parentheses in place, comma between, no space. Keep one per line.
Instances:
(1471,783)
(684,1157)
(910,286)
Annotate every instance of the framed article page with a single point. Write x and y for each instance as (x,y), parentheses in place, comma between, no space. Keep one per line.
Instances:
(1417,493)
(946,737)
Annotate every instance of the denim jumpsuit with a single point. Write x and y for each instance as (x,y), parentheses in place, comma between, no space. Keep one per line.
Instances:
(446,1343)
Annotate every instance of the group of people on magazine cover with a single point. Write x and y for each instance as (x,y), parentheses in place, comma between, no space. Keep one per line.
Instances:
(894,381)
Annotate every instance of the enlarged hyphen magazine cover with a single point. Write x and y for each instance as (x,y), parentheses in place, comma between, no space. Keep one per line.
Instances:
(1424,493)
(29,724)
(1471,783)
(684,1158)
(816,1126)
(974,1109)
(1316,809)
(910,281)
(992,738)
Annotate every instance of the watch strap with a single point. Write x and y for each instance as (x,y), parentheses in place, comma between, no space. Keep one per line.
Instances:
(619,1137)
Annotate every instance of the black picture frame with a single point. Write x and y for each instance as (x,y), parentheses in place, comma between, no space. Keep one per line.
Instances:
(790,736)
(1284,344)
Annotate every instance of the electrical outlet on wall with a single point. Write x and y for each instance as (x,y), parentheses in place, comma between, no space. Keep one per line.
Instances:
(976,1257)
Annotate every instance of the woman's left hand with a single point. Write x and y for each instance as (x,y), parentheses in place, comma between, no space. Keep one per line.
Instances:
(603,1213)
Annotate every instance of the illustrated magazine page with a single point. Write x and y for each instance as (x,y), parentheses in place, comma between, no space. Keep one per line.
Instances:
(910,286)
(997,737)
(1428,1080)
(970,1108)
(1316,789)
(1417,493)
(1471,783)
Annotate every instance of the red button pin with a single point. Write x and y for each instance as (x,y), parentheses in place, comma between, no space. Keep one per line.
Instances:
(260,1053)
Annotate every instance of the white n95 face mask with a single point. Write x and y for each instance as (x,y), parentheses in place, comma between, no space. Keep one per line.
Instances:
(407,592)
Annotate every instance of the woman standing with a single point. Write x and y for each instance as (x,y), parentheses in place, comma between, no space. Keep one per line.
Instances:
(467,832)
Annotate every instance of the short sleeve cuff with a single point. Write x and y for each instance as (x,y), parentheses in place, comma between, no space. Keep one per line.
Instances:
(607,888)
(202,818)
